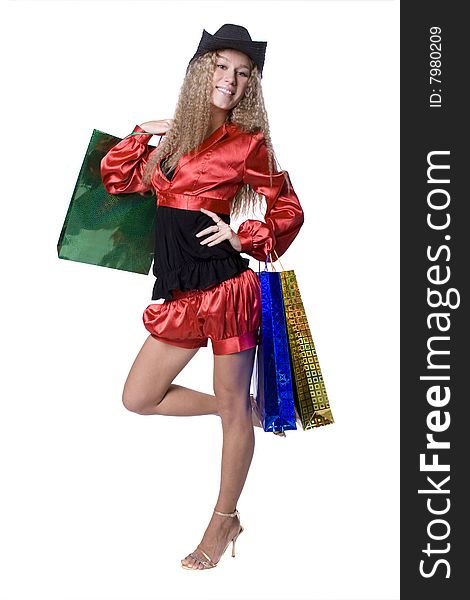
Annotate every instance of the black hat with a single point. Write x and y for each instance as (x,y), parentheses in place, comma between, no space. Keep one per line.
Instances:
(235,37)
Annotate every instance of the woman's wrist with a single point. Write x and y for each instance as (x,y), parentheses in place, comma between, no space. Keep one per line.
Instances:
(236,243)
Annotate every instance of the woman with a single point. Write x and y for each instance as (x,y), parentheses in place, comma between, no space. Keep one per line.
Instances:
(215,159)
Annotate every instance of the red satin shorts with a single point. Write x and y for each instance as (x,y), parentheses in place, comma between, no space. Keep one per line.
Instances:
(228,313)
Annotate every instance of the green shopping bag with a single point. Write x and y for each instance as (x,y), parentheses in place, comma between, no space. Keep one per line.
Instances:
(108,230)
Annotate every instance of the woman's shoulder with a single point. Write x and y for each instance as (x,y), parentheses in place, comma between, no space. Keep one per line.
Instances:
(248,142)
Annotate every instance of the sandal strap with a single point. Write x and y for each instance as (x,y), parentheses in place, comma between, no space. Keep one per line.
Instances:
(207,563)
(234,514)
(209,559)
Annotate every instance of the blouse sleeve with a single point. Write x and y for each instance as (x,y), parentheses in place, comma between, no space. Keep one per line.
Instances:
(284,215)
(123,166)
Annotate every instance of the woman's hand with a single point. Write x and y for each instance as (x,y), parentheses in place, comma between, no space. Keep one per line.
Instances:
(157,127)
(221,232)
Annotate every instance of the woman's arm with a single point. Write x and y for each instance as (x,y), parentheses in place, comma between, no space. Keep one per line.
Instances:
(123,166)
(284,215)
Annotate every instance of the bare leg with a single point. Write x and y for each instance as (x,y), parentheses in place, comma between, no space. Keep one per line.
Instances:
(150,377)
(149,391)
(232,375)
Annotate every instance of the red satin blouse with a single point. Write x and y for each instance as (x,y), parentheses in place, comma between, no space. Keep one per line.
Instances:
(209,178)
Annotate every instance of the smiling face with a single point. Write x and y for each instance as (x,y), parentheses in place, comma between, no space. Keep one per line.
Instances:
(230,80)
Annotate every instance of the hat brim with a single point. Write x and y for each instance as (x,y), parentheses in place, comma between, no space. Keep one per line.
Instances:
(255,50)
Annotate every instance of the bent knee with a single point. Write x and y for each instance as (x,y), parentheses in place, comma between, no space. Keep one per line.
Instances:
(139,403)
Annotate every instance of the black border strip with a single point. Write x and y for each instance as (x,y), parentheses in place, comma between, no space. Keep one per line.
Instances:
(434,269)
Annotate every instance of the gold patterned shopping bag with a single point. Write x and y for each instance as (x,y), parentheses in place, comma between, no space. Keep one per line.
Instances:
(311,399)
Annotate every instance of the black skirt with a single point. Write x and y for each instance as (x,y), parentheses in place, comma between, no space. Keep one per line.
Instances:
(181,262)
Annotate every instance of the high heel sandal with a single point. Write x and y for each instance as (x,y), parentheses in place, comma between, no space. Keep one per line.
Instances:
(209,563)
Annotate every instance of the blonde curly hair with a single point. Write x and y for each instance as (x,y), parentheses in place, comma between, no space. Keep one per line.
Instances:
(191,124)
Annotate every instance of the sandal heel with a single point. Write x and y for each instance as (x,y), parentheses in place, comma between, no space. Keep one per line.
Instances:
(234,540)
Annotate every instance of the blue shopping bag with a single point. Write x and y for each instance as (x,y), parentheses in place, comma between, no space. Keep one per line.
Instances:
(272,375)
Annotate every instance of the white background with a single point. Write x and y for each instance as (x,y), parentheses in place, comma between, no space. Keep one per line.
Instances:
(100,503)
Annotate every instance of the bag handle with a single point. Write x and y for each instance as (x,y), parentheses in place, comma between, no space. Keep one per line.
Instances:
(273,268)
(278,259)
(140,133)
(268,256)
(145,133)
